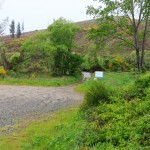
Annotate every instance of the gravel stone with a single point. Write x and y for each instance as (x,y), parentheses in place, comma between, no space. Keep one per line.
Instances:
(19,101)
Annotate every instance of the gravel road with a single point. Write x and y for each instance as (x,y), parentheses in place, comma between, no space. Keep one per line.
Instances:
(16,102)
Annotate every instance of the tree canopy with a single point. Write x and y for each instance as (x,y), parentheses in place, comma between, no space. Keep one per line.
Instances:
(126,20)
(54,46)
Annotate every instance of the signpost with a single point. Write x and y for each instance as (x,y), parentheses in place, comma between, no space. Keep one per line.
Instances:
(98,74)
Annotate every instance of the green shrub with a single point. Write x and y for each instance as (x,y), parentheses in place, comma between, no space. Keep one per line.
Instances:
(74,64)
(96,93)
(120,125)
(91,60)
(116,64)
(131,59)
(139,88)
(91,64)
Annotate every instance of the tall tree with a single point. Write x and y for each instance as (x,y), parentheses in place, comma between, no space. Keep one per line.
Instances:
(62,33)
(18,30)
(126,20)
(12,29)
(22,27)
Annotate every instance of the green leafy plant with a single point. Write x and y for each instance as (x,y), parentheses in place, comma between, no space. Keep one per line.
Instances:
(139,88)
(96,93)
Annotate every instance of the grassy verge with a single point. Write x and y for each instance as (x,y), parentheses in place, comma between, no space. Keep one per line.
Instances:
(40,81)
(113,79)
(61,130)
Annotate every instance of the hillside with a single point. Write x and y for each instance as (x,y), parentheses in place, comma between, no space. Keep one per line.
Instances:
(81,40)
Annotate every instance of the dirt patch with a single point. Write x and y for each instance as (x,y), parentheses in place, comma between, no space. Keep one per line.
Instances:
(16,102)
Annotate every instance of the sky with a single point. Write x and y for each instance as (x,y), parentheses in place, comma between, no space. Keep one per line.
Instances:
(38,14)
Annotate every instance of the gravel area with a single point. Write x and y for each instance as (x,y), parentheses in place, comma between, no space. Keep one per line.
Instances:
(16,102)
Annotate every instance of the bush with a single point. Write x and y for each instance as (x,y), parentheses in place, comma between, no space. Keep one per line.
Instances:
(91,64)
(96,93)
(74,64)
(132,59)
(116,64)
(139,88)
(2,73)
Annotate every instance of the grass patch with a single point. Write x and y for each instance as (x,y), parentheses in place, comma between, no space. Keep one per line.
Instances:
(40,81)
(113,79)
(61,130)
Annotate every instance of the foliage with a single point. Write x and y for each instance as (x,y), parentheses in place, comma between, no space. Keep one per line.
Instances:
(49,132)
(132,59)
(2,73)
(15,44)
(74,61)
(53,47)
(114,80)
(96,93)
(139,89)
(14,60)
(42,79)
(116,64)
(119,124)
(122,20)
(91,60)
(61,33)
(5,63)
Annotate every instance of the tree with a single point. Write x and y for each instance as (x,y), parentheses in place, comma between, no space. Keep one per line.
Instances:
(12,29)
(5,63)
(18,30)
(22,28)
(53,48)
(62,33)
(126,20)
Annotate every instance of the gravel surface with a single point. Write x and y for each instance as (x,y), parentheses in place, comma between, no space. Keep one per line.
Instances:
(16,102)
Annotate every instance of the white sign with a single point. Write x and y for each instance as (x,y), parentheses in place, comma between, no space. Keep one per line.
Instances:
(86,75)
(98,74)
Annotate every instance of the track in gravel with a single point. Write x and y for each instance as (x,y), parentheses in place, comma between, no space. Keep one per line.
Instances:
(19,101)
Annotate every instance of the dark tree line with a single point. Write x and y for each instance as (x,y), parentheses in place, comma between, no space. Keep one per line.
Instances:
(18,29)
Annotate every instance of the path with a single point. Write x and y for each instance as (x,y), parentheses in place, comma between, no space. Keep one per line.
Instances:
(19,101)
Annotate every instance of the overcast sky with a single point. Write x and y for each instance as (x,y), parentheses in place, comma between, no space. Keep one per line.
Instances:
(38,14)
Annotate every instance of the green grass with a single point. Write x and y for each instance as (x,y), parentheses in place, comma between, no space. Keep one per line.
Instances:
(121,122)
(61,130)
(112,79)
(40,81)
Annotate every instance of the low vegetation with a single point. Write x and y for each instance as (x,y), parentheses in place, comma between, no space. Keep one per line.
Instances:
(106,120)
(38,79)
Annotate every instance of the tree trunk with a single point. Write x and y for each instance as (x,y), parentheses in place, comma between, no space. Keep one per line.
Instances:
(138,59)
(136,40)
(144,41)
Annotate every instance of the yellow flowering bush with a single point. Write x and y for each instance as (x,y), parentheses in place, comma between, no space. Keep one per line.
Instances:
(2,73)
(33,76)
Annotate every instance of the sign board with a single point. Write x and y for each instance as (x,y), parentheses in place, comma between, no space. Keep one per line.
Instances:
(98,74)
(86,75)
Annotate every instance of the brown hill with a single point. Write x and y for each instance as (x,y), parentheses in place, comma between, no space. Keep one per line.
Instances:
(81,39)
